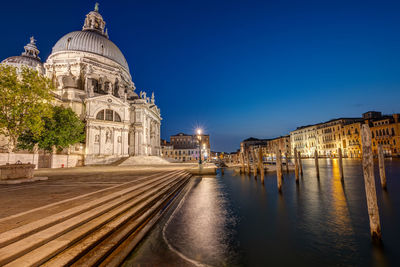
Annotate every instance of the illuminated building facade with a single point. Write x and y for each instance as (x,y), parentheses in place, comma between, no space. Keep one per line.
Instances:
(185,148)
(344,133)
(92,77)
(386,132)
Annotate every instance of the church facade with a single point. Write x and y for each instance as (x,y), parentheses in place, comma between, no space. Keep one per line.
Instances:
(92,77)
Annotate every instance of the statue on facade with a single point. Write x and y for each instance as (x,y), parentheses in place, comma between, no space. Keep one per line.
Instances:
(107,88)
(143,95)
(69,69)
(91,87)
(88,69)
(108,136)
(100,85)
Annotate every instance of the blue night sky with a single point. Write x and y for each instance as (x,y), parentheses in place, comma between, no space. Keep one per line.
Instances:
(238,68)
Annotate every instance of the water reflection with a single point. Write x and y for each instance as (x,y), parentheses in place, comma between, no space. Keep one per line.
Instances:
(199,229)
(340,215)
(234,220)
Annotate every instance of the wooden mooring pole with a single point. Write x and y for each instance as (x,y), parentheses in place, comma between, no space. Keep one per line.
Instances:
(382,172)
(316,163)
(300,164)
(254,164)
(261,164)
(279,169)
(242,169)
(296,165)
(369,180)
(248,163)
(287,162)
(341,164)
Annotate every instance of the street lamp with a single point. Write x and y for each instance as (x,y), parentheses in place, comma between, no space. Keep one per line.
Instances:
(199,138)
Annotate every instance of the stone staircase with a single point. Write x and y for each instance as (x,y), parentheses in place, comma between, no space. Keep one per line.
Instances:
(100,232)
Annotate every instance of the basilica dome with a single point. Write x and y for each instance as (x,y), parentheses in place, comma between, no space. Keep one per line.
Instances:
(93,39)
(29,58)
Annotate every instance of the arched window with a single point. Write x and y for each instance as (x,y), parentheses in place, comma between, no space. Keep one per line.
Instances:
(100,115)
(117,118)
(108,115)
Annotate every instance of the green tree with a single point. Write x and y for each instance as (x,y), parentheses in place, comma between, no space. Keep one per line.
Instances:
(25,97)
(61,130)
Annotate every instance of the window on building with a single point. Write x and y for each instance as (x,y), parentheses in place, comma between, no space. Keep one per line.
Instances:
(108,115)
(117,118)
(100,115)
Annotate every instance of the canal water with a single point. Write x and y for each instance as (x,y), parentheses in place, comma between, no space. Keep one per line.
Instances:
(234,220)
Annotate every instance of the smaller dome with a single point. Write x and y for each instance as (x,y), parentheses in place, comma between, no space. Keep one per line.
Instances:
(29,58)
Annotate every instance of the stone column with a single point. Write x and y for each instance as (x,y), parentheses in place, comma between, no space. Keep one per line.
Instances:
(100,139)
(131,136)
(121,146)
(139,143)
(113,141)
(87,142)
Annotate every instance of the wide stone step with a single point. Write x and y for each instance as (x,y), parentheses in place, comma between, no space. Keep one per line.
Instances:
(130,242)
(129,237)
(21,232)
(14,219)
(23,246)
(99,227)
(95,246)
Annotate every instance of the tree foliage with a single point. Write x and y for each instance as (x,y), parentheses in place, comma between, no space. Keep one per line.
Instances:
(24,102)
(62,129)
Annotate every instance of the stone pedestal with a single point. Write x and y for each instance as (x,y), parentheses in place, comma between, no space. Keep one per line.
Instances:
(16,171)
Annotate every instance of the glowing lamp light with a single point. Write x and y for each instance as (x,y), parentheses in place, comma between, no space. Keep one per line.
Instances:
(199,131)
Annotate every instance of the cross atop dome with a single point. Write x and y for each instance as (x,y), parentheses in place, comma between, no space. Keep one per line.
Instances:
(94,22)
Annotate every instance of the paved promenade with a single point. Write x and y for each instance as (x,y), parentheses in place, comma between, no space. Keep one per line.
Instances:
(89,215)
(67,188)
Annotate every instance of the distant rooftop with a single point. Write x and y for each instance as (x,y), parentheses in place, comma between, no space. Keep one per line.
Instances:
(183,134)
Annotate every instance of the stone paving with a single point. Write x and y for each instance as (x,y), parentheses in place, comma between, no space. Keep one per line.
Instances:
(67,188)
